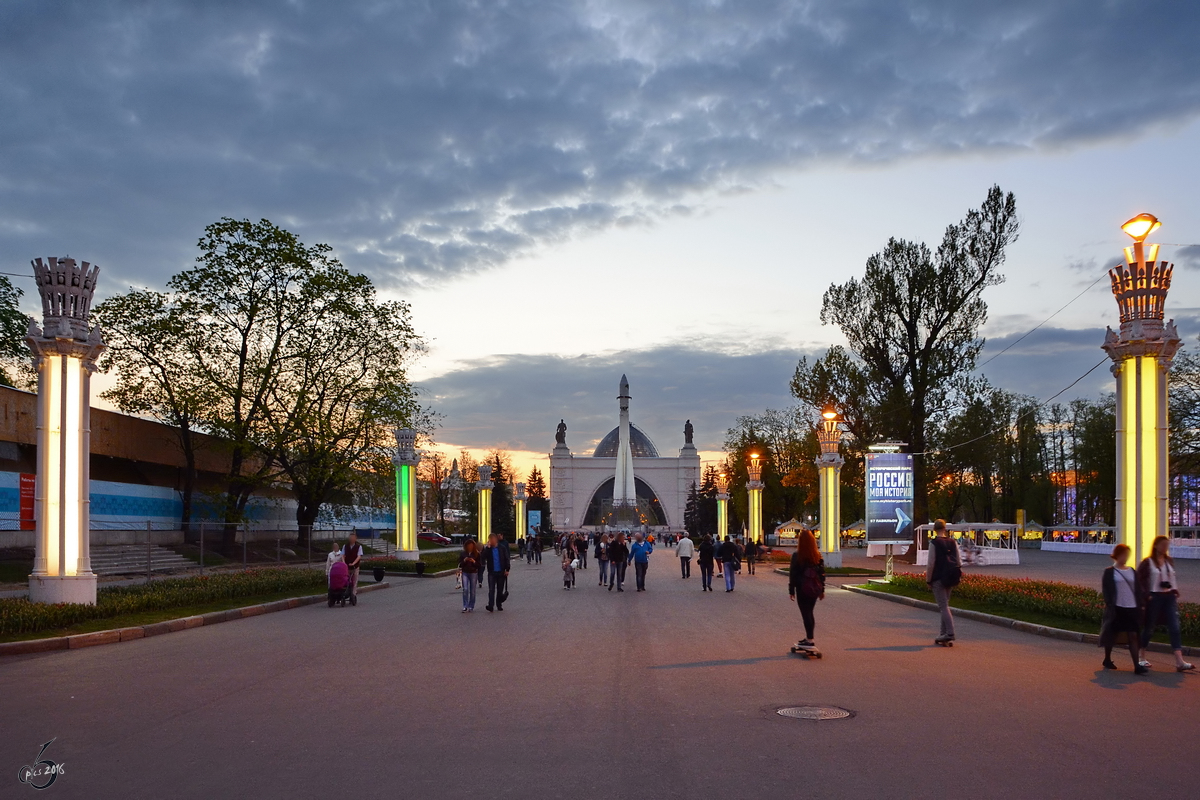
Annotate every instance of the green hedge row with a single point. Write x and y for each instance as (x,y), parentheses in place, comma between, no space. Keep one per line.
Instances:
(434,562)
(1047,597)
(22,616)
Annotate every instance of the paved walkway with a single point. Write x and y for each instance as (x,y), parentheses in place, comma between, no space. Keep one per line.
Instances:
(591,694)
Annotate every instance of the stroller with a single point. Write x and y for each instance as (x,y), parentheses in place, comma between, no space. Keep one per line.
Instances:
(339,585)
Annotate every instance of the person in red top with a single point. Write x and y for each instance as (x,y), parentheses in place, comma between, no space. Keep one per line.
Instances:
(352,555)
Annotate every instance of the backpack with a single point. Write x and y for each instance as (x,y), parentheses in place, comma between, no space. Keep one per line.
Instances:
(810,583)
(952,568)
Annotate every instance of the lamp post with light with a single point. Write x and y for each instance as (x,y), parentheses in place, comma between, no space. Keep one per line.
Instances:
(754,488)
(1141,352)
(519,498)
(405,461)
(485,486)
(722,506)
(829,468)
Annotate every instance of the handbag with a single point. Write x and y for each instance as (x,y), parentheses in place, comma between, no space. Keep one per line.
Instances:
(575,563)
(458,581)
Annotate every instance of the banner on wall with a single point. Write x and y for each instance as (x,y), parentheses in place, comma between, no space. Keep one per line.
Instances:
(535,522)
(889,498)
(27,485)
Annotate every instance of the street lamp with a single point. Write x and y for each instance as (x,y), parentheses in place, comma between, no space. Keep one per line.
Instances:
(722,506)
(485,486)
(519,499)
(754,488)
(406,460)
(1142,352)
(829,467)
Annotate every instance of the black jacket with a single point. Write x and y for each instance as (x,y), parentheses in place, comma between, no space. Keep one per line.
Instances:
(706,551)
(729,552)
(486,558)
(796,573)
(618,553)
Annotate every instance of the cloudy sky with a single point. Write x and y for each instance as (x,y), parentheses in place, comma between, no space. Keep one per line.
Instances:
(566,191)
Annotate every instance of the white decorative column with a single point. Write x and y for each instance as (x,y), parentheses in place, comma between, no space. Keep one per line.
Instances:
(64,350)
(829,467)
(754,490)
(406,461)
(520,529)
(485,486)
(723,507)
(1142,353)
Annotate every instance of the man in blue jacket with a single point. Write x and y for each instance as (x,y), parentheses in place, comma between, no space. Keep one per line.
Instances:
(639,556)
(496,558)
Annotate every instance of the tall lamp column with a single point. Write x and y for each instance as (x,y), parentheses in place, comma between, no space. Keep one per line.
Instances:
(829,467)
(1141,352)
(485,486)
(722,506)
(754,488)
(519,527)
(406,460)
(64,350)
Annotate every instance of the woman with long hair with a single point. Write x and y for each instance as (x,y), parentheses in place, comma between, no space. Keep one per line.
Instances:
(707,552)
(806,582)
(469,567)
(1159,582)
(1122,590)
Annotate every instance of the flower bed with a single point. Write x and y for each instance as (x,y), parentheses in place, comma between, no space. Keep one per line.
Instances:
(19,616)
(1044,597)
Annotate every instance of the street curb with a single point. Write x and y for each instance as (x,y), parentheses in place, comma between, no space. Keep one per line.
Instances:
(118,635)
(1015,624)
(399,574)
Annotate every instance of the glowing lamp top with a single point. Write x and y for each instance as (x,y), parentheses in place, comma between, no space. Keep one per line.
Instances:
(1141,226)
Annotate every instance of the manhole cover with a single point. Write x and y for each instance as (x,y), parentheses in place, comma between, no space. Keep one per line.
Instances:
(815,712)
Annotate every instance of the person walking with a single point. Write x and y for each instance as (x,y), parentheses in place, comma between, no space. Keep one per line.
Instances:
(618,559)
(568,568)
(728,554)
(352,555)
(639,554)
(468,572)
(537,549)
(581,546)
(707,553)
(1123,598)
(806,583)
(751,556)
(943,571)
(602,557)
(335,555)
(496,560)
(1159,582)
(684,550)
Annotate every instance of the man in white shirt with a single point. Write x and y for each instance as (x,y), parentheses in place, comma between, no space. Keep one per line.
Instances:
(685,550)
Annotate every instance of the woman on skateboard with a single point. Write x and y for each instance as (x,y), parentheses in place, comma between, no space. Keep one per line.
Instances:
(806,583)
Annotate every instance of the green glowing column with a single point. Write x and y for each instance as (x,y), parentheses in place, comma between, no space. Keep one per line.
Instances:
(1142,353)
(519,526)
(722,516)
(755,489)
(406,461)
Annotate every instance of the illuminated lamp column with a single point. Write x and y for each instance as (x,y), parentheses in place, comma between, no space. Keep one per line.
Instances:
(722,506)
(485,486)
(519,527)
(406,461)
(1142,352)
(829,468)
(754,488)
(65,350)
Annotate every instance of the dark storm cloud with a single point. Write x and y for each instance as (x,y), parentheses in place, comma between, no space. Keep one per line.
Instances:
(427,139)
(1188,257)
(522,397)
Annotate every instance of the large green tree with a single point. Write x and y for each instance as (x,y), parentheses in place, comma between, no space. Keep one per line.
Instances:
(912,324)
(15,369)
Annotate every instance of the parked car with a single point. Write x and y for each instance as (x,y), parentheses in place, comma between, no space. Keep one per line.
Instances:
(436,538)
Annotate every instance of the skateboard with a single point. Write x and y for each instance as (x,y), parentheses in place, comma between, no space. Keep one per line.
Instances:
(940,642)
(807,651)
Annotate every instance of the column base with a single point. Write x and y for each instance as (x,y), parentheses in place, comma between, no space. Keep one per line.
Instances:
(63,589)
(408,555)
(832,560)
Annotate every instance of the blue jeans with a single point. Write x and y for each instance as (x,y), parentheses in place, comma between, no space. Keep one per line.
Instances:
(639,571)
(603,571)
(470,581)
(706,571)
(1162,604)
(729,568)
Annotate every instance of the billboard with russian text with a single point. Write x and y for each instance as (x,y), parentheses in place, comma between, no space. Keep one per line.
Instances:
(889,498)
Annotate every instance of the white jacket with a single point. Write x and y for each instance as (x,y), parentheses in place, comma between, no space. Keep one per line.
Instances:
(685,549)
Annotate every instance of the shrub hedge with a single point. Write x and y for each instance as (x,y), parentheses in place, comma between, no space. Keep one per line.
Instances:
(1047,597)
(434,562)
(21,616)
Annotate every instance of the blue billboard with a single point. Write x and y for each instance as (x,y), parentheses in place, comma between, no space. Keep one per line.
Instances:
(535,522)
(889,498)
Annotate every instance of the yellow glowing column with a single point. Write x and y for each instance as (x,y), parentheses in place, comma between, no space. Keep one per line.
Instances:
(1142,351)
(754,489)
(485,486)
(65,351)
(722,506)
(406,461)
(829,469)
(519,526)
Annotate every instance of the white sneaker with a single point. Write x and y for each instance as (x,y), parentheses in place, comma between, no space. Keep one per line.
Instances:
(1144,663)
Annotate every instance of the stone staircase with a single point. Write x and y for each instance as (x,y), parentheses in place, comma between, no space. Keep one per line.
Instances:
(123,559)
(380,546)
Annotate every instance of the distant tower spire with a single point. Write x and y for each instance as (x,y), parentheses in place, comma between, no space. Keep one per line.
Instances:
(624,490)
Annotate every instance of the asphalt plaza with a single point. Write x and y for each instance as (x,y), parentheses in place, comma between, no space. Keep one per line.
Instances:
(589,693)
